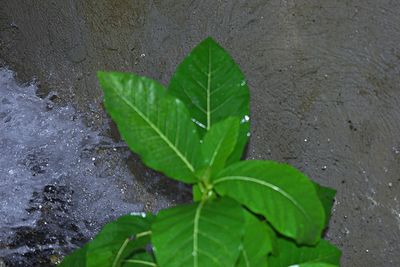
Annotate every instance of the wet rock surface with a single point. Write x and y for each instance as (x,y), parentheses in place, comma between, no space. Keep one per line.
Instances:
(324,80)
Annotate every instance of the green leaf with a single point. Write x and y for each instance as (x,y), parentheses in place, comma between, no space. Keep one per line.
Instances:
(291,254)
(75,259)
(327,197)
(200,234)
(316,264)
(142,259)
(258,241)
(213,87)
(219,143)
(118,239)
(115,241)
(156,126)
(281,193)
(196,191)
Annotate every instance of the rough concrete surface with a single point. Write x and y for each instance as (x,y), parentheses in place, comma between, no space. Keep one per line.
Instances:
(324,80)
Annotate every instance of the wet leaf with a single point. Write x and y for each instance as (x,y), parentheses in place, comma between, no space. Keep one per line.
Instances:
(258,241)
(200,234)
(213,88)
(281,193)
(156,126)
(322,255)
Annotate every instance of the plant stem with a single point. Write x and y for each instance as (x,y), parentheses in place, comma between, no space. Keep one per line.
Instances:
(139,235)
(121,249)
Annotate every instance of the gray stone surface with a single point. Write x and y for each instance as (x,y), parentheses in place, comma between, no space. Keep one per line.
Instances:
(324,80)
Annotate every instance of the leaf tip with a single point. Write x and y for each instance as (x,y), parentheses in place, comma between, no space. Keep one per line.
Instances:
(209,40)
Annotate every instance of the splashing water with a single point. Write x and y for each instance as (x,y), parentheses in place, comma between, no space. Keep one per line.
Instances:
(56,188)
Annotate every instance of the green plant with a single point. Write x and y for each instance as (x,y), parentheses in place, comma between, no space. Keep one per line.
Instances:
(245,213)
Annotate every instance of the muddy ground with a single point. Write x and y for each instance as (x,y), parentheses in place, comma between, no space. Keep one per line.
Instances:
(324,79)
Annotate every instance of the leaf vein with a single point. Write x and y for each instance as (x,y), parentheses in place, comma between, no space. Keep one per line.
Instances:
(266,184)
(157,130)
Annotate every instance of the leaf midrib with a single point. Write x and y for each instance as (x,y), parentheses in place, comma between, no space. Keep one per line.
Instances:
(214,155)
(208,89)
(119,253)
(142,262)
(246,259)
(195,234)
(157,130)
(269,185)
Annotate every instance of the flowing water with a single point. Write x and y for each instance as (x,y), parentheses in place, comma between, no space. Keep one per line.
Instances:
(59,182)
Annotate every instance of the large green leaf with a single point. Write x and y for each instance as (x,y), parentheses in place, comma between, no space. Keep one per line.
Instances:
(219,143)
(258,241)
(202,234)
(327,197)
(213,88)
(156,126)
(118,239)
(75,259)
(322,255)
(281,193)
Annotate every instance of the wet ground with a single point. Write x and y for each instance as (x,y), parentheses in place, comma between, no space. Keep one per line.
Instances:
(325,85)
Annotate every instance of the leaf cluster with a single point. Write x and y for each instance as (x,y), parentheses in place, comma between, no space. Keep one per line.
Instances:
(244,212)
